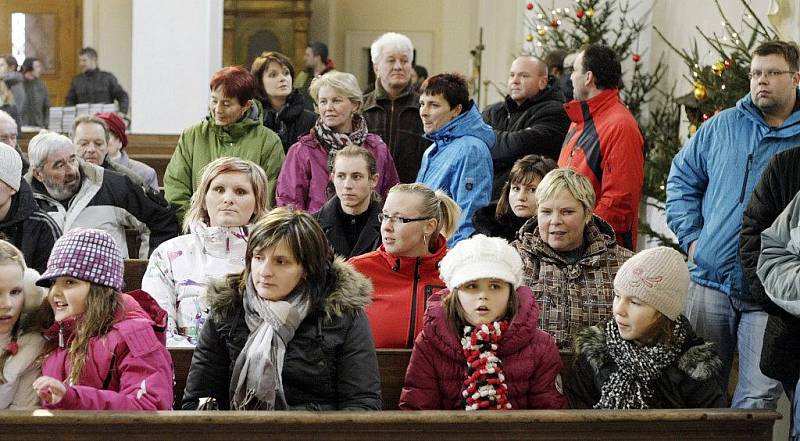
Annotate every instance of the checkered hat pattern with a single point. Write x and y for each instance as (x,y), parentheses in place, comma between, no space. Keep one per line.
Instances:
(85,254)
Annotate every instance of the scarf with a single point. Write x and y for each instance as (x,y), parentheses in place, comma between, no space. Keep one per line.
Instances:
(333,142)
(629,387)
(485,386)
(256,380)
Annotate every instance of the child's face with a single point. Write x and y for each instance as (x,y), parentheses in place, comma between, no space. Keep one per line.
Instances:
(484,300)
(635,319)
(67,297)
(11,296)
(522,198)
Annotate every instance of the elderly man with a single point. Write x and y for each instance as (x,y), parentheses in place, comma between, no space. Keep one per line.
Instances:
(604,142)
(76,193)
(8,135)
(22,222)
(710,184)
(392,109)
(93,85)
(530,120)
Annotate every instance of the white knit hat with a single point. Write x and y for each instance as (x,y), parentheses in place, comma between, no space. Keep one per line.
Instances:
(657,276)
(481,257)
(10,166)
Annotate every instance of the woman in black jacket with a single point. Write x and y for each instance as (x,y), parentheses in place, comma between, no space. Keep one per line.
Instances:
(289,332)
(350,218)
(284,107)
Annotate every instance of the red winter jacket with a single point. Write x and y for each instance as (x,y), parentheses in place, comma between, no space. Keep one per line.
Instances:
(401,287)
(531,362)
(127,368)
(604,144)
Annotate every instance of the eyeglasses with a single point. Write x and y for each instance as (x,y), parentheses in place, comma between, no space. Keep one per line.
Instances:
(770,73)
(397,219)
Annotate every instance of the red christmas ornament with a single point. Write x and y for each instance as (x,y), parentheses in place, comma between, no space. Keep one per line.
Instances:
(554,23)
(529,6)
(728,63)
(636,58)
(579,13)
(12,348)
(706,117)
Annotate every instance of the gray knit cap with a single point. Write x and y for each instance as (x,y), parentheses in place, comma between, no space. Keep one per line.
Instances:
(657,276)
(10,166)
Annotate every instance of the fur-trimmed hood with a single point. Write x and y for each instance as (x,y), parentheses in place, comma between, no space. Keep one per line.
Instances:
(351,291)
(699,359)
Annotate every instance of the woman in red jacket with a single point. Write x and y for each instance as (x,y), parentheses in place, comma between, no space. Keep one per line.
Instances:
(480,347)
(415,224)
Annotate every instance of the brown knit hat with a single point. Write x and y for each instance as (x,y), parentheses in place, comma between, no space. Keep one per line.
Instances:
(657,276)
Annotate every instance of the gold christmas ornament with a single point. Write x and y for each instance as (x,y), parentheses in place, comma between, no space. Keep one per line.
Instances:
(590,12)
(692,129)
(529,37)
(718,68)
(700,91)
(541,32)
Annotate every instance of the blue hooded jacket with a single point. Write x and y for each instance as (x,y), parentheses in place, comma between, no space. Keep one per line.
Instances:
(460,163)
(710,184)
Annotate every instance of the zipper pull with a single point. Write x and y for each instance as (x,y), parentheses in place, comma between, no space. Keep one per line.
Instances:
(60,337)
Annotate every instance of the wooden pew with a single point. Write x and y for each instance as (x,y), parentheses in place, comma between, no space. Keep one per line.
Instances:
(133,273)
(391,362)
(685,424)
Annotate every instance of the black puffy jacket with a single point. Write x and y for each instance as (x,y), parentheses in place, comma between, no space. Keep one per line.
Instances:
(291,121)
(537,126)
(778,185)
(330,363)
(331,220)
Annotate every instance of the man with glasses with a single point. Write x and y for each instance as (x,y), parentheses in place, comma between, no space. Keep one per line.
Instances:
(708,188)
(8,136)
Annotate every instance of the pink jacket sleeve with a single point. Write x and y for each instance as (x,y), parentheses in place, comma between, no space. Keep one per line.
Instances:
(546,390)
(294,178)
(144,369)
(420,388)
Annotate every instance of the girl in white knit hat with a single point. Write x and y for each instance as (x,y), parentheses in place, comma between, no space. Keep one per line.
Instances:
(21,344)
(480,347)
(646,355)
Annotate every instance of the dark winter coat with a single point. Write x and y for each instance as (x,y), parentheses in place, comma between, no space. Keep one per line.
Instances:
(29,228)
(291,121)
(778,185)
(692,382)
(436,372)
(398,123)
(330,362)
(330,219)
(507,227)
(537,126)
(37,105)
(97,86)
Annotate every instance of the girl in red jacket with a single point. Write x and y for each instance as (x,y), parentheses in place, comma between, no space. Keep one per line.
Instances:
(480,347)
(104,352)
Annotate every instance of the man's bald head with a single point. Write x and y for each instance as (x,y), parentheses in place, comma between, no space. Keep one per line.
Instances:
(526,78)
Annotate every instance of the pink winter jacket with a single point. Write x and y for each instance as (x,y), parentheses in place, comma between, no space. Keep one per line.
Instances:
(129,360)
(304,174)
(436,372)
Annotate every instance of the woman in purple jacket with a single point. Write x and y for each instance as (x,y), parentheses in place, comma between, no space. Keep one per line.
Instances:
(480,347)
(304,181)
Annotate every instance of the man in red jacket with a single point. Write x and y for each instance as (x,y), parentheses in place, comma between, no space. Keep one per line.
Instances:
(604,142)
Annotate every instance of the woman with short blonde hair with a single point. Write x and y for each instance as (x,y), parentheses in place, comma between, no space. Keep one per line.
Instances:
(304,181)
(570,257)
(233,193)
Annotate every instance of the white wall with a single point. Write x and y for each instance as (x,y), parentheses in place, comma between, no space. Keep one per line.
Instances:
(107,28)
(172,61)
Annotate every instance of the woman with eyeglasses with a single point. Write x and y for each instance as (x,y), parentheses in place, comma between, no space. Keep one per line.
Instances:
(415,225)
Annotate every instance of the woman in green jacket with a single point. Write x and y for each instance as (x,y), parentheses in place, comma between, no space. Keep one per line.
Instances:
(233,128)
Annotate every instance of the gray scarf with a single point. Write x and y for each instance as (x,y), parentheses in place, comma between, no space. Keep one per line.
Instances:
(630,386)
(256,381)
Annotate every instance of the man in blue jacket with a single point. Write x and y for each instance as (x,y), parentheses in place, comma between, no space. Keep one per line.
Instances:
(708,188)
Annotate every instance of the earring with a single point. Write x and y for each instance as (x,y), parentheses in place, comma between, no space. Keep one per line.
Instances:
(425,238)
